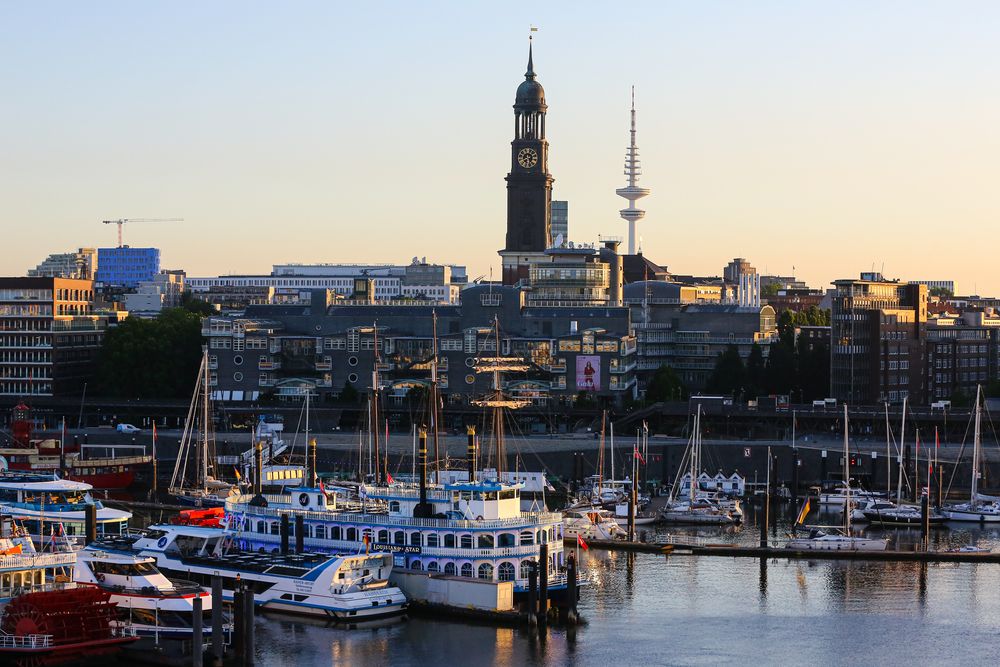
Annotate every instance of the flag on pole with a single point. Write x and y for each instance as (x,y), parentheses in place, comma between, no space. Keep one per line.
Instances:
(803,513)
(238,475)
(388,477)
(581,543)
(322,489)
(639,456)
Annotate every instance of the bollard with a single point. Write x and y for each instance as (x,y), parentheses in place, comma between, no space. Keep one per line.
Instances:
(90,519)
(571,591)
(284,534)
(532,592)
(248,626)
(197,635)
(543,583)
(300,534)
(238,629)
(217,610)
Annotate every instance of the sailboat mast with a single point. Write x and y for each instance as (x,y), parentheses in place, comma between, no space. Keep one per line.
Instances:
(695,445)
(375,425)
(847,479)
(902,443)
(501,455)
(977,436)
(600,456)
(204,426)
(611,426)
(434,396)
(888,454)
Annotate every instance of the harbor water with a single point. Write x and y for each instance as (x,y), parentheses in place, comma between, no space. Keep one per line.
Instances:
(643,609)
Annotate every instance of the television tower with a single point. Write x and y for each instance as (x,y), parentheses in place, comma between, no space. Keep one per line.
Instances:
(632,192)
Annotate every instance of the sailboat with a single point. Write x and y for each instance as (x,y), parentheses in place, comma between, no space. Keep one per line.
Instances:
(192,482)
(695,509)
(977,509)
(817,540)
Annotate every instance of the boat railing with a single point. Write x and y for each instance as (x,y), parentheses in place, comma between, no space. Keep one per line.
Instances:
(25,641)
(180,587)
(33,561)
(364,518)
(348,545)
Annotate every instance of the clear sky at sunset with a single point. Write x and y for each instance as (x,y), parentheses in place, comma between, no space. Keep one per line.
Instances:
(828,136)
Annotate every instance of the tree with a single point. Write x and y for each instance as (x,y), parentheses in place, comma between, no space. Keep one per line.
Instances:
(348,394)
(155,358)
(665,385)
(194,305)
(942,292)
(756,372)
(770,289)
(729,376)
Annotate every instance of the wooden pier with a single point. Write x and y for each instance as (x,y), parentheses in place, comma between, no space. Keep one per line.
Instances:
(681,548)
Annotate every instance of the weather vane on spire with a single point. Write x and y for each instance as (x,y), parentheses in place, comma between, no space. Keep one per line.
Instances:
(531,29)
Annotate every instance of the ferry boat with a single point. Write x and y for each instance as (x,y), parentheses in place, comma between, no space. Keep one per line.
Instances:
(68,459)
(50,507)
(351,587)
(160,610)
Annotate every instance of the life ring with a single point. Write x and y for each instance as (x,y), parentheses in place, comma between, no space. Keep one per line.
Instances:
(99,577)
(303,499)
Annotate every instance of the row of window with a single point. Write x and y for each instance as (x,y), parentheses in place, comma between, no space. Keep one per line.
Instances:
(416,538)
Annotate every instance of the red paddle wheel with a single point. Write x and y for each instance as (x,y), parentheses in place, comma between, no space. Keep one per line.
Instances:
(78,622)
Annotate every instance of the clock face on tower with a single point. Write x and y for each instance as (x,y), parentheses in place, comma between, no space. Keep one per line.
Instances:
(527,158)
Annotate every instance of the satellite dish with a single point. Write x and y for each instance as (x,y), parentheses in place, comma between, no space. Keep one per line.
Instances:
(559,241)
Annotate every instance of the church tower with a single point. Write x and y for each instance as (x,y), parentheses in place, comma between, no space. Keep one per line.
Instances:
(529,184)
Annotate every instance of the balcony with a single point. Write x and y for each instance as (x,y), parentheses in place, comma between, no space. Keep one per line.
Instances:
(268,365)
(623,368)
(324,365)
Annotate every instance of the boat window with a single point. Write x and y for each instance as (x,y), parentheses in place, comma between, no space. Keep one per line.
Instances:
(415,564)
(335,533)
(505,572)
(506,540)
(432,566)
(399,537)
(485,571)
(449,541)
(449,569)
(432,540)
(261,527)
(352,534)
(467,570)
(394,506)
(414,539)
(526,568)
(467,542)
(527,537)
(321,532)
(383,536)
(485,541)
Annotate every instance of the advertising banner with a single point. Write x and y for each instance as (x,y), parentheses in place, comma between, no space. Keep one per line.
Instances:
(588,373)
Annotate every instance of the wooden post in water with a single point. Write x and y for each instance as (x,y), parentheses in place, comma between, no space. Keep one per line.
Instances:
(239,632)
(197,635)
(284,534)
(543,583)
(532,593)
(248,627)
(217,609)
(571,615)
(300,534)
(90,521)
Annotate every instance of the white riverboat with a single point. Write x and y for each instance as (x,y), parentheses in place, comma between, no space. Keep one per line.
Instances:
(353,587)
(160,610)
(50,508)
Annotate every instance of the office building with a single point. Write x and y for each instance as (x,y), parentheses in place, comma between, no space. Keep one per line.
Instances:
(126,266)
(560,222)
(49,336)
(878,329)
(79,265)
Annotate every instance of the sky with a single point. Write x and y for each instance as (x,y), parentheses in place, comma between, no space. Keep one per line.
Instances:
(828,137)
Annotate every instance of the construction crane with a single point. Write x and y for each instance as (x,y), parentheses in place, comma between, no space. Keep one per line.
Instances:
(121,222)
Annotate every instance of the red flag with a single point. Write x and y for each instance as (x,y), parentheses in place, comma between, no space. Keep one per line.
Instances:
(641,460)
(388,477)
(581,543)
(322,489)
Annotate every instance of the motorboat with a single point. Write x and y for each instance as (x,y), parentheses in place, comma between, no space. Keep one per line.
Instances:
(53,509)
(591,524)
(160,610)
(349,587)
(904,515)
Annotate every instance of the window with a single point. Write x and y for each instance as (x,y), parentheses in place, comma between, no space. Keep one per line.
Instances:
(485,541)
(506,540)
(432,566)
(432,539)
(449,569)
(414,539)
(352,378)
(415,564)
(394,506)
(238,359)
(525,568)
(352,535)
(320,532)
(449,541)
(383,536)
(527,537)
(486,571)
(352,361)
(238,377)
(399,537)
(467,570)
(505,572)
(466,542)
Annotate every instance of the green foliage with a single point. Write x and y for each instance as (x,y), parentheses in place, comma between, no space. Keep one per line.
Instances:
(729,375)
(959,399)
(349,394)
(770,289)
(196,306)
(756,375)
(942,292)
(155,358)
(665,385)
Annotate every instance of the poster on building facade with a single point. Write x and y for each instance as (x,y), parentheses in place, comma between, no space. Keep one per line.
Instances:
(588,373)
